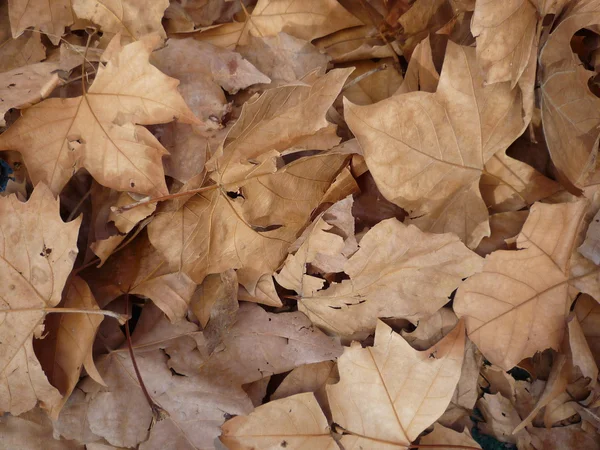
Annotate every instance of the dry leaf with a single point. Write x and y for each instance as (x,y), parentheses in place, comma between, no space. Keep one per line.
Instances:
(442,435)
(261,344)
(377,85)
(268,426)
(505,33)
(519,303)
(568,115)
(504,227)
(34,270)
(355,44)
(99,130)
(25,50)
(306,20)
(501,418)
(389,392)
(132,18)
(431,330)
(283,58)
(67,346)
(591,245)
(398,271)
(588,313)
(50,17)
(421,74)
(430,161)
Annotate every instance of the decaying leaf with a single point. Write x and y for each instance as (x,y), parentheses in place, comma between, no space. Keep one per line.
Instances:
(37,255)
(398,271)
(426,155)
(390,393)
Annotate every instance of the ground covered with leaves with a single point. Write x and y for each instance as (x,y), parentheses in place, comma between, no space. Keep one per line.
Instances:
(316,224)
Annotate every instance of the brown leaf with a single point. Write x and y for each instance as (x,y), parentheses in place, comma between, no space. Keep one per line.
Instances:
(67,346)
(503,226)
(306,20)
(398,271)
(568,115)
(501,418)
(355,44)
(268,426)
(99,130)
(421,74)
(132,18)
(431,329)
(376,86)
(588,313)
(430,162)
(25,50)
(282,57)
(34,269)
(261,344)
(50,17)
(510,313)
(591,245)
(389,392)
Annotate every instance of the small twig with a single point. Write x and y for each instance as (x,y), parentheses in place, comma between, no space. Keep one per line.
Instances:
(78,205)
(359,78)
(148,201)
(158,413)
(102,312)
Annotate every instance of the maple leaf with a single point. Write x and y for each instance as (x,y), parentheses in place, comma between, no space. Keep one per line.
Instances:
(569,115)
(268,426)
(518,304)
(98,130)
(305,20)
(255,211)
(132,18)
(448,436)
(389,393)
(38,253)
(51,17)
(22,51)
(398,271)
(424,152)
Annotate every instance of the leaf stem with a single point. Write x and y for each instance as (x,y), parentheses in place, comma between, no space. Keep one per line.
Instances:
(148,201)
(359,78)
(102,312)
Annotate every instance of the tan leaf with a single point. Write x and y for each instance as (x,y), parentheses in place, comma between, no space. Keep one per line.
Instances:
(34,269)
(398,271)
(442,435)
(261,344)
(50,17)
(501,418)
(509,185)
(325,245)
(268,426)
(519,303)
(421,74)
(98,130)
(503,226)
(505,33)
(355,44)
(588,313)
(32,431)
(132,18)
(309,378)
(568,115)
(282,57)
(25,50)
(139,269)
(26,86)
(375,87)
(431,330)
(389,393)
(430,161)
(580,351)
(306,20)
(564,437)
(591,245)
(67,346)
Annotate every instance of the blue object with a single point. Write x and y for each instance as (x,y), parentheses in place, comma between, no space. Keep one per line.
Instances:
(5,171)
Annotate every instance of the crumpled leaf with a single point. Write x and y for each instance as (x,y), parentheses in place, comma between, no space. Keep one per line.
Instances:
(51,17)
(99,130)
(268,426)
(132,18)
(306,20)
(389,393)
(501,418)
(424,152)
(587,311)
(33,271)
(591,245)
(398,271)
(569,115)
(518,304)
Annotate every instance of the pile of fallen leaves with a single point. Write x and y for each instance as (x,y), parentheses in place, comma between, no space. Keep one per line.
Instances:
(315,224)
